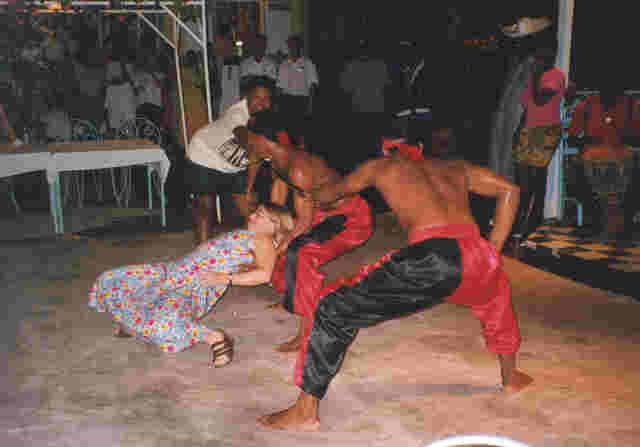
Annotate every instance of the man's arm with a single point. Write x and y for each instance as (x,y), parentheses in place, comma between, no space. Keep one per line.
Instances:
(279,191)
(252,172)
(242,135)
(300,175)
(353,183)
(484,182)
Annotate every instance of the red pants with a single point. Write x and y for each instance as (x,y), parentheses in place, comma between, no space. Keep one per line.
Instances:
(333,233)
(451,262)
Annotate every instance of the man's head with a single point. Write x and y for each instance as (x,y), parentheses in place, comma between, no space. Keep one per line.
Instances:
(258,94)
(294,43)
(437,138)
(259,46)
(442,141)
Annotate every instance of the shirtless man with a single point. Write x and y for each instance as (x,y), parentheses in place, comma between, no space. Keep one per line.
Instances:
(446,259)
(318,236)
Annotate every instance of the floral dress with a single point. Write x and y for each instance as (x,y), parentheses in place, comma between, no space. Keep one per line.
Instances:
(162,303)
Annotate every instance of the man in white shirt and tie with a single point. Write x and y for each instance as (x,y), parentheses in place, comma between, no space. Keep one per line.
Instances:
(298,82)
(258,63)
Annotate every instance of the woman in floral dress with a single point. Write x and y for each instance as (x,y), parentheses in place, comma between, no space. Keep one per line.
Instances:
(163,303)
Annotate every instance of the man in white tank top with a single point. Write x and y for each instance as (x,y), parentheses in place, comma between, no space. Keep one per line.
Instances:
(218,164)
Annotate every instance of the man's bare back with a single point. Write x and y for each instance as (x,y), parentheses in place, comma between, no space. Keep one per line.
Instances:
(430,192)
(438,187)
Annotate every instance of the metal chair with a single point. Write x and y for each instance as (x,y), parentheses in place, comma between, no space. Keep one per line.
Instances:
(137,128)
(73,184)
(566,151)
(8,182)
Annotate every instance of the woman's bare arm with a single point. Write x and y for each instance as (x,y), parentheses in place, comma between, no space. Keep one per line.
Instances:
(258,273)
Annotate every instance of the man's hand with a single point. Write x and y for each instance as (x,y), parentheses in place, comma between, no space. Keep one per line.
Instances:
(321,197)
(252,201)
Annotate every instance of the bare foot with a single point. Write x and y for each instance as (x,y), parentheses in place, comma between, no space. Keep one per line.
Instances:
(517,382)
(120,332)
(291,345)
(303,416)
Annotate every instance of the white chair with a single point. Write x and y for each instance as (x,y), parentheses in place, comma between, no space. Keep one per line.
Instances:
(8,182)
(137,128)
(74,183)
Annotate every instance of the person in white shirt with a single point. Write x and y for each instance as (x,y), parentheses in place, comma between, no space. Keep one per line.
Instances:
(120,103)
(258,63)
(147,85)
(56,120)
(298,82)
(216,161)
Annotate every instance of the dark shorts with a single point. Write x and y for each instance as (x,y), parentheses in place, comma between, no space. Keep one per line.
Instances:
(202,180)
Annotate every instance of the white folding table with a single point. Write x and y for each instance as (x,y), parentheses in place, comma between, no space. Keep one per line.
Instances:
(82,156)
(104,154)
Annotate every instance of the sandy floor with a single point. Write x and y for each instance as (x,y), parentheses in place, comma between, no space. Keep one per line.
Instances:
(404,383)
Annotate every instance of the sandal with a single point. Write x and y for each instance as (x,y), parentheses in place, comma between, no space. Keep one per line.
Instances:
(220,350)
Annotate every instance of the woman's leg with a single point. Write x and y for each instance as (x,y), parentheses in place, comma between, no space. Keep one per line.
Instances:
(124,292)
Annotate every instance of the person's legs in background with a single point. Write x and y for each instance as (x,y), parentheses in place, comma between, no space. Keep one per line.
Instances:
(538,186)
(523,180)
(203,207)
(592,211)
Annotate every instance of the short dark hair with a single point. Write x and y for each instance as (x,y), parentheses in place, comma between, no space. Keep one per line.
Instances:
(251,83)
(267,124)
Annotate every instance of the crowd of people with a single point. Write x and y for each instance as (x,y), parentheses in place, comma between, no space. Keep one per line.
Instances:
(62,72)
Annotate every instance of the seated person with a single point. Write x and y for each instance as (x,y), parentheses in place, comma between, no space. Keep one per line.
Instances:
(163,303)
(610,118)
(56,120)
(8,136)
(603,125)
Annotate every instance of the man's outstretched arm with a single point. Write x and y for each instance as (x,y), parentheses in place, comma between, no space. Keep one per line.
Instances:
(300,175)
(486,183)
(353,183)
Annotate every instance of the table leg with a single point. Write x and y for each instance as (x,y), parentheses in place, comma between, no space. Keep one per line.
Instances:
(59,205)
(163,204)
(53,206)
(149,187)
